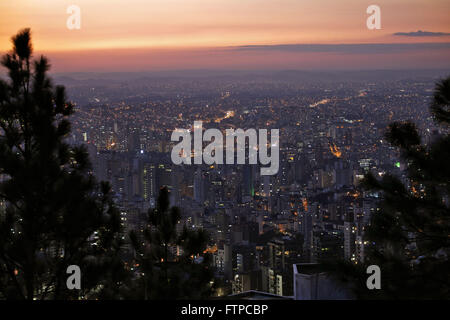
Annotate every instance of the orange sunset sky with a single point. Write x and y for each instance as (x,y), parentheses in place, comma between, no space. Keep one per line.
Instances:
(138,35)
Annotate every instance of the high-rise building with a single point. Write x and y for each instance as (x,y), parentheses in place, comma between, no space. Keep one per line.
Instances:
(248,188)
(199,186)
(349,240)
(149,181)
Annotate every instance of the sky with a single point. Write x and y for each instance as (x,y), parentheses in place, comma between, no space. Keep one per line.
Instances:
(140,35)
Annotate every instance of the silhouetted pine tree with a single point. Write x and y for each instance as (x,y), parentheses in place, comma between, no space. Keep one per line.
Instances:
(410,237)
(160,272)
(52,212)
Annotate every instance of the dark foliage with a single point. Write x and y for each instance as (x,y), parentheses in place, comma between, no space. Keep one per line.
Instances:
(52,211)
(160,273)
(410,238)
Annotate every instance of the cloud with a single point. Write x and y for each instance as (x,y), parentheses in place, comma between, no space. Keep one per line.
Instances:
(421,33)
(364,48)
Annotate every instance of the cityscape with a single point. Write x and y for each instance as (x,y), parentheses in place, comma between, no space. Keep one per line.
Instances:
(208,153)
(331,135)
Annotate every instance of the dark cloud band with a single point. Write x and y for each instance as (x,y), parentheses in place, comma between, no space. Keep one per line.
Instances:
(421,33)
(365,48)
